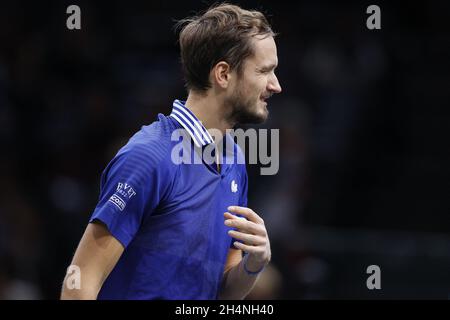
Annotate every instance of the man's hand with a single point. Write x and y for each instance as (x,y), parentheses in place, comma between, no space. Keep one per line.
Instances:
(253,234)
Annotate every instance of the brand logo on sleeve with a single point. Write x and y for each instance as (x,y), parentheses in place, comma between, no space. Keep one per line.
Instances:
(123,193)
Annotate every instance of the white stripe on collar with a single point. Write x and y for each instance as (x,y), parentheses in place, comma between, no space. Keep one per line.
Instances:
(191,123)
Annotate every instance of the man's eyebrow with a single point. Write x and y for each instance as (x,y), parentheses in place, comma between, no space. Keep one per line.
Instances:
(270,66)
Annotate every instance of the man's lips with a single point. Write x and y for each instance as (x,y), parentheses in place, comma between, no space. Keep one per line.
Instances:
(265,97)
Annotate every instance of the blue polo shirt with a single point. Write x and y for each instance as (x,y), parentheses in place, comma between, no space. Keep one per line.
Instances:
(169,215)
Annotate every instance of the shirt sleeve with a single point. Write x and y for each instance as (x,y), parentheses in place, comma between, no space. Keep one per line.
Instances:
(131,187)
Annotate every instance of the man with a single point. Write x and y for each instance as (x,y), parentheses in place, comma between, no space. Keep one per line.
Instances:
(163,230)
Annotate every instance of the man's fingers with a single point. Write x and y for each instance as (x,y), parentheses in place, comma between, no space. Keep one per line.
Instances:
(247,248)
(248,239)
(228,215)
(246,212)
(247,226)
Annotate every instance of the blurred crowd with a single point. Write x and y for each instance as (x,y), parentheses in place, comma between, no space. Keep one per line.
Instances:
(363,148)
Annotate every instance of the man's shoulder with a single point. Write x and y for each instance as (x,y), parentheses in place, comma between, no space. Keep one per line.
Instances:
(151,145)
(159,130)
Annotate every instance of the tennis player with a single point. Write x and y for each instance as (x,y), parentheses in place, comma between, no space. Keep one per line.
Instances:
(167,230)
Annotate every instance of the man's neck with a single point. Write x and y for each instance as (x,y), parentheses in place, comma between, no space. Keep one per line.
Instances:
(209,109)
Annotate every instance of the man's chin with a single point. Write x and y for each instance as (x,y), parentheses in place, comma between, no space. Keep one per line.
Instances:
(256,114)
(254,118)
(263,114)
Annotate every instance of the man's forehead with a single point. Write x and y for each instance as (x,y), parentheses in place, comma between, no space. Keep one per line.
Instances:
(265,51)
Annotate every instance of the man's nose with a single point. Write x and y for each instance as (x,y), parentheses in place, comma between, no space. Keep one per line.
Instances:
(274,85)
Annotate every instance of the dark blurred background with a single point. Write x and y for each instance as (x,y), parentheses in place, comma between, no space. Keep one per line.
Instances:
(364,164)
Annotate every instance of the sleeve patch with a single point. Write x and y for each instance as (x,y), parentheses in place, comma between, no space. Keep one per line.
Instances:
(124,192)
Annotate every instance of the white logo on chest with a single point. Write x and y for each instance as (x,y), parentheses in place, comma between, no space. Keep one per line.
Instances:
(233,186)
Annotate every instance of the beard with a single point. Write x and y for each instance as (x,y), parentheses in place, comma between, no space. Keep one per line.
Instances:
(246,110)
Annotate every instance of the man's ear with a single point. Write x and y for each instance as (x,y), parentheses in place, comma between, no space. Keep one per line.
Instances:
(221,74)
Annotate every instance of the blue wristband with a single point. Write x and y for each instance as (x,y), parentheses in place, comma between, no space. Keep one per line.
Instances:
(252,273)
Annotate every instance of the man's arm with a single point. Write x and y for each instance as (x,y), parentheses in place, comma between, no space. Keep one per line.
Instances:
(240,275)
(96,255)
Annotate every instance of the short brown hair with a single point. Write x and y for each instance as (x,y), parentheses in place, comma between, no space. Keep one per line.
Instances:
(221,33)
